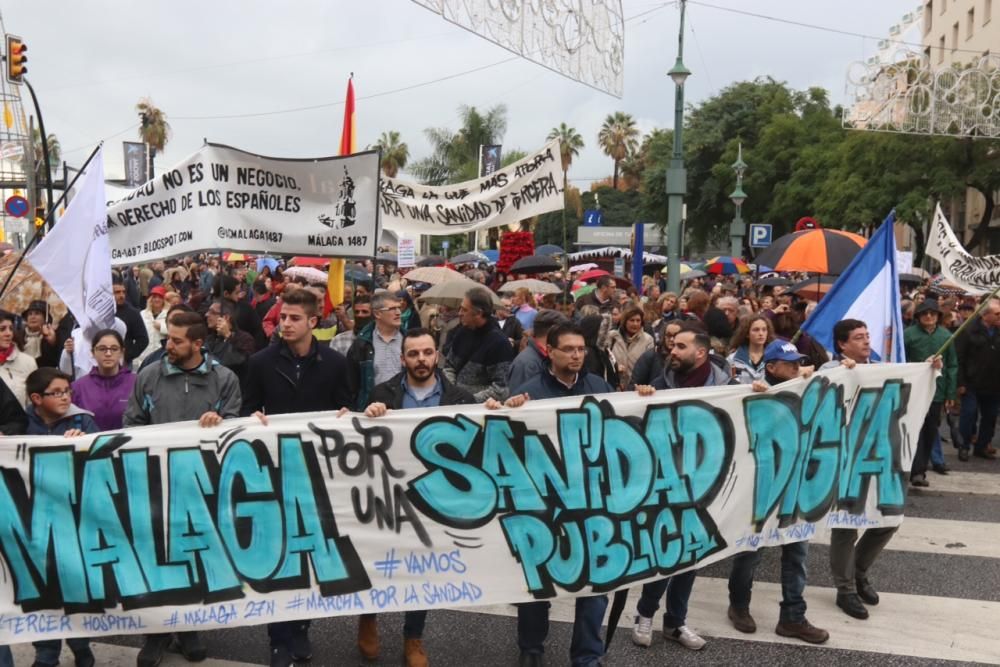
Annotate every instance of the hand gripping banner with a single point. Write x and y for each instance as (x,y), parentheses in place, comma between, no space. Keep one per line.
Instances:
(177,527)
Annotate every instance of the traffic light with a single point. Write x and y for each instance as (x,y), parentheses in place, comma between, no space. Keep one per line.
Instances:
(39,217)
(16,59)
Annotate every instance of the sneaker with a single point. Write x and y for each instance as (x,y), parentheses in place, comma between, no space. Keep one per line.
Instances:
(413,653)
(368,636)
(742,620)
(84,657)
(963,453)
(866,591)
(153,650)
(803,630)
(684,636)
(299,644)
(281,656)
(190,646)
(642,633)
(851,604)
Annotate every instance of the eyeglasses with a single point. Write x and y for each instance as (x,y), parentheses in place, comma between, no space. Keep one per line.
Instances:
(107,350)
(572,350)
(397,309)
(58,393)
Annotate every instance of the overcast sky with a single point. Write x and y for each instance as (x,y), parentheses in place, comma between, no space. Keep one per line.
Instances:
(91,61)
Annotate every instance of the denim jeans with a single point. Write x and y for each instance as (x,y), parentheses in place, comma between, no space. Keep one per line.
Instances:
(937,456)
(793,582)
(413,624)
(281,633)
(981,407)
(741,578)
(47,650)
(6,657)
(678,590)
(586,648)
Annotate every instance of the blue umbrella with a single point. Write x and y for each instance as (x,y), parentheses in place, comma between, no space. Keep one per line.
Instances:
(548,249)
(269,262)
(492,255)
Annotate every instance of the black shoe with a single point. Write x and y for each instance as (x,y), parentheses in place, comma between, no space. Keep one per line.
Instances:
(531,660)
(281,657)
(919,480)
(851,604)
(940,468)
(191,647)
(153,650)
(299,645)
(867,592)
(84,657)
(963,453)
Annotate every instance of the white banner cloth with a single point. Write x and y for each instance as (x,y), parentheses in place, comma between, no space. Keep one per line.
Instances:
(976,275)
(222,198)
(524,189)
(177,527)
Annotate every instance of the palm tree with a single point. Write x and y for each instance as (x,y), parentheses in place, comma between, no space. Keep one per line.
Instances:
(154,130)
(395,153)
(570,144)
(55,151)
(618,138)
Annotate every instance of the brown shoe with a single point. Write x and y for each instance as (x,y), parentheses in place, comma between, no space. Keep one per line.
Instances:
(413,653)
(742,620)
(804,630)
(368,635)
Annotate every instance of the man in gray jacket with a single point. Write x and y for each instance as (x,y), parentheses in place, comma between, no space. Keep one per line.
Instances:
(185,384)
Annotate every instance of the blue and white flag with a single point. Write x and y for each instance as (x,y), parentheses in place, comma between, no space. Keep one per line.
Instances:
(868,291)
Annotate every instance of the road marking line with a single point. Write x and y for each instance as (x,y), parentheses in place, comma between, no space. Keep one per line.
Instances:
(941,536)
(111,655)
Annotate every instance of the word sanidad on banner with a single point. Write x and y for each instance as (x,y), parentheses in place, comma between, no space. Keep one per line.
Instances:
(169,528)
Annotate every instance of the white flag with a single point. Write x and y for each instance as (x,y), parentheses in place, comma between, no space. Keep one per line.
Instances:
(75,257)
(976,275)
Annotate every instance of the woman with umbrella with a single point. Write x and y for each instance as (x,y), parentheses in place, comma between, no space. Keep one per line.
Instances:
(628,342)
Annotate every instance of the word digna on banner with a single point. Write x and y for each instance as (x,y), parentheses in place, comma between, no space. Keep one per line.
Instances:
(976,275)
(222,198)
(529,187)
(176,527)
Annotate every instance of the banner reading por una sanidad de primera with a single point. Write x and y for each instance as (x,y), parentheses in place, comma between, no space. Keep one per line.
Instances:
(221,198)
(176,527)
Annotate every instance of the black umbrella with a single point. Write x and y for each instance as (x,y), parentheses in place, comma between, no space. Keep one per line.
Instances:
(386,258)
(910,278)
(814,289)
(774,281)
(548,249)
(535,264)
(431,260)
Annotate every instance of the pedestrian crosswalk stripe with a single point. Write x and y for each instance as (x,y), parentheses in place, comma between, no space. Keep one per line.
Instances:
(956,481)
(942,536)
(110,655)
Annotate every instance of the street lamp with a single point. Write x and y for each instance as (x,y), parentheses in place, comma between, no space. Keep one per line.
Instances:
(676,173)
(738,228)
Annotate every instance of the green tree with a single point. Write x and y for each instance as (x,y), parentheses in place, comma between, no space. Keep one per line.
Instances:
(455,154)
(618,138)
(55,153)
(395,153)
(570,144)
(154,130)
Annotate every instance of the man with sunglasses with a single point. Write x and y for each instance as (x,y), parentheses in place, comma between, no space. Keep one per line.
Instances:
(374,356)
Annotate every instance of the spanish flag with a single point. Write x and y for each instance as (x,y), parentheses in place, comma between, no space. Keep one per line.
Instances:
(335,282)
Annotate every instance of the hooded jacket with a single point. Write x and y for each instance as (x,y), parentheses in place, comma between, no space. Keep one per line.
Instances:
(717,377)
(105,397)
(75,417)
(163,393)
(744,367)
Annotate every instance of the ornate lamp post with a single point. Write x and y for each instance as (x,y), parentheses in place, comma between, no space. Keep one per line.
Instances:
(676,173)
(738,228)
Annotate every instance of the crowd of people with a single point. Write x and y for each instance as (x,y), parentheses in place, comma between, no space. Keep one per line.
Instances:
(200,339)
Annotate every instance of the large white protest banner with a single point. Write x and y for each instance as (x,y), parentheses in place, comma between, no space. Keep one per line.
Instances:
(529,187)
(75,257)
(176,527)
(222,198)
(976,275)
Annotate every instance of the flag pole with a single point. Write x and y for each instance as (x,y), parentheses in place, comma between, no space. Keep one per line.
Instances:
(48,218)
(982,307)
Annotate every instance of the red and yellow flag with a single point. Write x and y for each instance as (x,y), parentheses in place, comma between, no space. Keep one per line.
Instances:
(335,283)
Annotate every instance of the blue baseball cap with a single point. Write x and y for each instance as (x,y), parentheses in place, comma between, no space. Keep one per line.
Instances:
(782,350)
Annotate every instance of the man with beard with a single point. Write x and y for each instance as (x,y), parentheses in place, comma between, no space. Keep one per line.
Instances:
(419,385)
(186,384)
(362,316)
(688,366)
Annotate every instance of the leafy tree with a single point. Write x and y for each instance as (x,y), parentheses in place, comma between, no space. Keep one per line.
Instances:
(570,144)
(455,155)
(619,137)
(395,153)
(55,153)
(154,129)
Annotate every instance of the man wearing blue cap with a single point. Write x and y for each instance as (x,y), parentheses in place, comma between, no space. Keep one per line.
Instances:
(782,362)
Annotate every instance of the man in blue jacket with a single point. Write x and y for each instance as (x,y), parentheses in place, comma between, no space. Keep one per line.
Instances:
(563,377)
(296,374)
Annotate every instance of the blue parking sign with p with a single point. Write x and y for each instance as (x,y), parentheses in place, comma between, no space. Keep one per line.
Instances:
(760,235)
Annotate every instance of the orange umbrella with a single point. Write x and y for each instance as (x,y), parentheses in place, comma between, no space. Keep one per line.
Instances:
(827,251)
(310,261)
